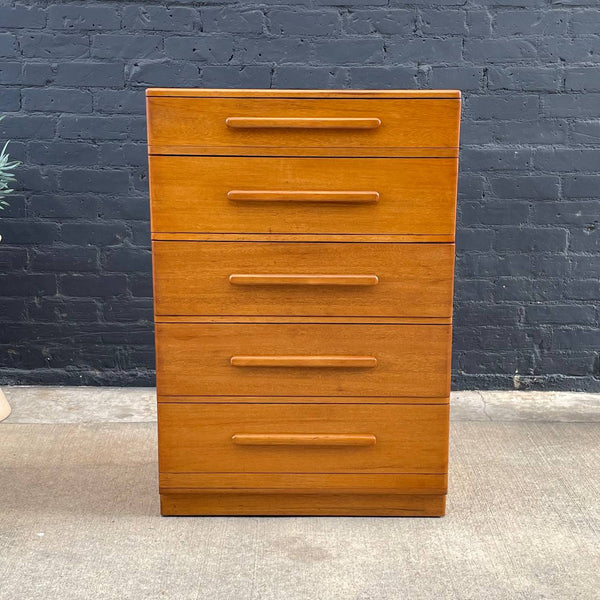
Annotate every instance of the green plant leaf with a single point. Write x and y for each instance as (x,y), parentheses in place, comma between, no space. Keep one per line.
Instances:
(7,175)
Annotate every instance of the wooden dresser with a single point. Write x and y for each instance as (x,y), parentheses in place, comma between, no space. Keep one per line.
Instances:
(303,246)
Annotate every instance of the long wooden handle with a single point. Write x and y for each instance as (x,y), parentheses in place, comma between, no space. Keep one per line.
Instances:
(302,123)
(304,439)
(268,279)
(340,362)
(349,197)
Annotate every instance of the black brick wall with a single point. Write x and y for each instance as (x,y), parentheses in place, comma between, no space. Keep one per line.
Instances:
(75,283)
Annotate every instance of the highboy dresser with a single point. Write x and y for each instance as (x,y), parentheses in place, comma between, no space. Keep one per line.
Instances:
(303,248)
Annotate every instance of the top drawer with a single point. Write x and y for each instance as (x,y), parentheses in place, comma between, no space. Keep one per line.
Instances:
(303,126)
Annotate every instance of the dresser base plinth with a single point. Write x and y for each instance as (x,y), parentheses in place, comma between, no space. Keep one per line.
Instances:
(241,503)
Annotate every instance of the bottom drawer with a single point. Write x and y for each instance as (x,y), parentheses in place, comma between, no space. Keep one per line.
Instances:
(302,438)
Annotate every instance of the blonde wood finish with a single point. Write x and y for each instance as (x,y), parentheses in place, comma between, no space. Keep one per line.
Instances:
(322,279)
(413,123)
(272,93)
(197,438)
(304,439)
(248,238)
(304,399)
(306,483)
(310,362)
(303,259)
(295,123)
(304,196)
(309,151)
(416,196)
(194,359)
(243,503)
(316,319)
(270,279)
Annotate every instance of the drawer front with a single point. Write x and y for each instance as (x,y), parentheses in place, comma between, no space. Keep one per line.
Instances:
(291,359)
(196,125)
(303,279)
(303,195)
(303,438)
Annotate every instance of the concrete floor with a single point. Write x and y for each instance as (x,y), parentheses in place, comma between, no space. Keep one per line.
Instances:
(79,520)
(88,404)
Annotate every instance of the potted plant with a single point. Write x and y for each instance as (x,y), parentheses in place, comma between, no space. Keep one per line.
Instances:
(7,177)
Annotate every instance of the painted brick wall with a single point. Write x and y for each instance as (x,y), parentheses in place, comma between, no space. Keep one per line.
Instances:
(75,283)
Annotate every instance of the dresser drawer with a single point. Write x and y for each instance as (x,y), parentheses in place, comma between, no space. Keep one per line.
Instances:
(303,279)
(303,438)
(303,195)
(293,359)
(255,125)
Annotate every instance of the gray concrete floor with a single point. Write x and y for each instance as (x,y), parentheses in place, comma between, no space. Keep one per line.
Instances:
(79,520)
(87,404)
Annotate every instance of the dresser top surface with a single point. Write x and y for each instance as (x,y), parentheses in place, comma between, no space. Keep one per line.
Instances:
(270,93)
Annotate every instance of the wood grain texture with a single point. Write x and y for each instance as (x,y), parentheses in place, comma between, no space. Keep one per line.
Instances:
(304,439)
(416,196)
(303,196)
(420,123)
(305,399)
(296,123)
(317,361)
(369,505)
(194,359)
(306,483)
(291,319)
(250,238)
(195,278)
(254,279)
(309,151)
(272,93)
(196,438)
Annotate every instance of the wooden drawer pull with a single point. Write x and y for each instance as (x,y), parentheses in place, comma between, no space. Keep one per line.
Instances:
(341,362)
(259,279)
(302,123)
(304,439)
(302,196)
